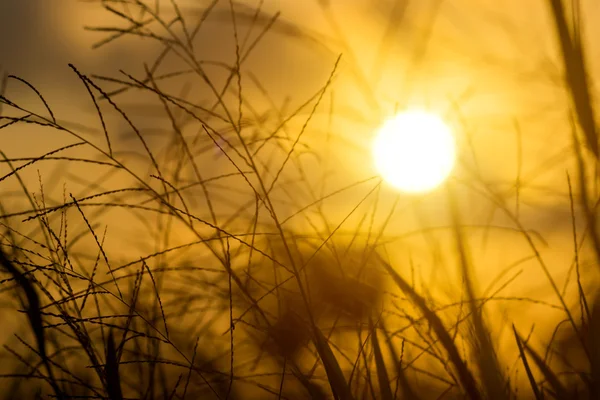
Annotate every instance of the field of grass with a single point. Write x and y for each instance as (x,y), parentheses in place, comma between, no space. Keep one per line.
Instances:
(216,236)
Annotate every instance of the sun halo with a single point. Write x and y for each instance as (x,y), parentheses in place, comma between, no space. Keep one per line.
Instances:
(414,151)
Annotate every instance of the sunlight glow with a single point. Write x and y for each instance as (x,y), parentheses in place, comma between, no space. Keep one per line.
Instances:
(414,151)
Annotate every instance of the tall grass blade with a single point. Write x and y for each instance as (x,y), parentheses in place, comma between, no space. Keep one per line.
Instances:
(576,75)
(550,376)
(113,380)
(483,348)
(34,314)
(316,392)
(593,333)
(394,23)
(382,375)
(338,383)
(532,382)
(465,376)
(584,192)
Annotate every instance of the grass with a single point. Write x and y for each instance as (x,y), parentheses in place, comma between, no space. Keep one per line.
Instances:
(203,256)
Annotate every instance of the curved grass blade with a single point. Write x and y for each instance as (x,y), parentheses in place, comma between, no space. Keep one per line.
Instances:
(335,375)
(34,314)
(315,391)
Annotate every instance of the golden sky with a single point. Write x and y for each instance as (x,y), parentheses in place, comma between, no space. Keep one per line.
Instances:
(489,66)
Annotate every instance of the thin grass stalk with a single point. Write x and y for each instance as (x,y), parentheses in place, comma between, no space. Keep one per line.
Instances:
(407,391)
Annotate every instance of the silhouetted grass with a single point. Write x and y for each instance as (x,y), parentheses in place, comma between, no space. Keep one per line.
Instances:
(218,294)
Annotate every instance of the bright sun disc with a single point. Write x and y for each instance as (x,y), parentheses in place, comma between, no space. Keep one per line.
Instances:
(414,151)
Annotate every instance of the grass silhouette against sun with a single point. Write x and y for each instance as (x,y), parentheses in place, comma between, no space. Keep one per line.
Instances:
(176,268)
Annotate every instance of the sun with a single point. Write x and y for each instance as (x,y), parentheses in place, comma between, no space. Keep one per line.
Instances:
(414,151)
